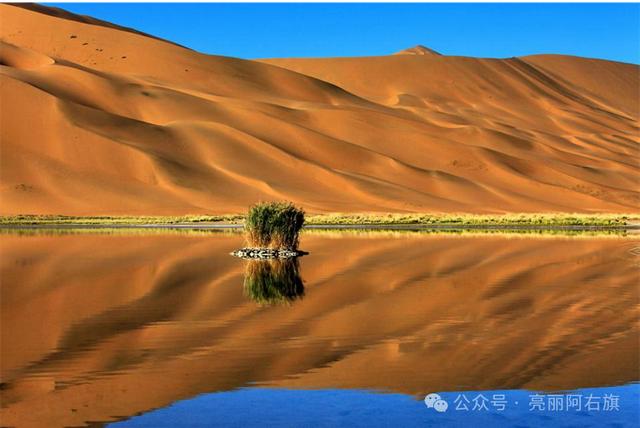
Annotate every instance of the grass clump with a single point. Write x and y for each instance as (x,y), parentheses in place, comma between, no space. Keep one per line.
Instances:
(274,225)
(273,282)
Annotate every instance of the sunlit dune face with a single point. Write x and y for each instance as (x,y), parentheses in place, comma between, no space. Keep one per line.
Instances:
(104,120)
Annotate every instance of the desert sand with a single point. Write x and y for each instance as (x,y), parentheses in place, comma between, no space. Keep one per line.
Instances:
(100,327)
(100,119)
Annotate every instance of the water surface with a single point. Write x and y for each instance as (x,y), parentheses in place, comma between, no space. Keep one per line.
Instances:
(100,327)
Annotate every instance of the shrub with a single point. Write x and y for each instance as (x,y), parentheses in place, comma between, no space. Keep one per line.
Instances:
(274,225)
(275,281)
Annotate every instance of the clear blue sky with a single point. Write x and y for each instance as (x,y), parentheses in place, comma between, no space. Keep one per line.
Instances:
(609,31)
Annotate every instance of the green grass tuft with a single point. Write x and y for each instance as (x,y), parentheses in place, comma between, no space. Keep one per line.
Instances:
(274,225)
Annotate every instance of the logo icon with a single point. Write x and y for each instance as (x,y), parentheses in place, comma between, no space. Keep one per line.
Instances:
(434,401)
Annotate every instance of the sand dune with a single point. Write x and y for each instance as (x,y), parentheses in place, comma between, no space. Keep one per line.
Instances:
(166,319)
(100,119)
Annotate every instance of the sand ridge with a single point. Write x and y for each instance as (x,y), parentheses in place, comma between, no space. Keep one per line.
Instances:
(99,119)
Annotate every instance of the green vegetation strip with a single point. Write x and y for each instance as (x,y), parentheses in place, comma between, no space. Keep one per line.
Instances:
(360,232)
(27,219)
(524,219)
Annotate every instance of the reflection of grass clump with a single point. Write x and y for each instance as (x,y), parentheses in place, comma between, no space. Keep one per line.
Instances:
(274,225)
(274,281)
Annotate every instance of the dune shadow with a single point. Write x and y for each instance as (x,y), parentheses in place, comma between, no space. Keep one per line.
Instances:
(273,281)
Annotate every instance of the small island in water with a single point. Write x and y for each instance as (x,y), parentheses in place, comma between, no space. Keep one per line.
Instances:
(272,230)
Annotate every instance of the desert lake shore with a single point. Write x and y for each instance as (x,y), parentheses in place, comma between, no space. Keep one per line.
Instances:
(522,221)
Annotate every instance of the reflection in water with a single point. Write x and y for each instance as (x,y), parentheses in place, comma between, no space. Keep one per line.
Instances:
(273,281)
(101,327)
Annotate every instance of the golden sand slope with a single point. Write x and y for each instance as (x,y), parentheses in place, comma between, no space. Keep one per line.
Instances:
(115,325)
(97,119)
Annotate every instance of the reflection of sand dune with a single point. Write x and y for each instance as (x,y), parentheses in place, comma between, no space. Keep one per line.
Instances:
(105,120)
(115,325)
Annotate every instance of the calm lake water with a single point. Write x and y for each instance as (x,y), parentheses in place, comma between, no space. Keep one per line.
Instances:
(167,329)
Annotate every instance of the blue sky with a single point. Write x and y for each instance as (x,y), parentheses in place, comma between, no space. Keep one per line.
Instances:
(245,30)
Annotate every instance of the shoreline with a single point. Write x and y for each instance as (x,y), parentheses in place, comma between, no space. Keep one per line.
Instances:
(575,221)
(391,226)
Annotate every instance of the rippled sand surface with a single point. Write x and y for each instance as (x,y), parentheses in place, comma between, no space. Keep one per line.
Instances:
(101,119)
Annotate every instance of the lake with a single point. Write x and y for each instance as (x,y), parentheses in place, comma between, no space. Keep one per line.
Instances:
(165,328)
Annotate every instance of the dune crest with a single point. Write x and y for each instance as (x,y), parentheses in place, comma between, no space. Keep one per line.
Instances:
(100,119)
(418,50)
